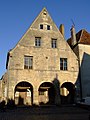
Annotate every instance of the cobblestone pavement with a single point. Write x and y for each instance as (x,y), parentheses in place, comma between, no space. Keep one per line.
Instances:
(45,113)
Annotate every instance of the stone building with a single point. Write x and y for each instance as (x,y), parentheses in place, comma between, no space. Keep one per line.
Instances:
(0,90)
(81,47)
(41,68)
(3,87)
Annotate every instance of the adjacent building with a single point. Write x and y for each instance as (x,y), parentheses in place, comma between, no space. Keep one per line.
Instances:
(80,44)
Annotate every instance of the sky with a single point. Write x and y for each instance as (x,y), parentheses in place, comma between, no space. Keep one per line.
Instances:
(17,15)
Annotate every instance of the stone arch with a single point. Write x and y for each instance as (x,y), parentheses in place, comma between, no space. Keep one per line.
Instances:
(23,93)
(46,92)
(67,93)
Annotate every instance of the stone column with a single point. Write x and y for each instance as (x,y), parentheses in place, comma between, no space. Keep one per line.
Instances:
(11,93)
(57,91)
(35,96)
(57,97)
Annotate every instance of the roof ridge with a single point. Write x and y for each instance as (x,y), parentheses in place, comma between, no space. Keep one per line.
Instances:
(85,31)
(81,35)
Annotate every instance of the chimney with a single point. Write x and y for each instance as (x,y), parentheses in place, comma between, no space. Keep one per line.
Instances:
(61,29)
(73,36)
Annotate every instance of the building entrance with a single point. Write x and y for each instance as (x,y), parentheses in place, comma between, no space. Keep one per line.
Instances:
(23,93)
(46,93)
(67,93)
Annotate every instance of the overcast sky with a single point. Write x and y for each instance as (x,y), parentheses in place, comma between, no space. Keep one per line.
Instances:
(17,15)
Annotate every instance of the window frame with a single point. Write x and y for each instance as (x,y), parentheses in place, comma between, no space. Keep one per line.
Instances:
(41,93)
(28,62)
(63,64)
(48,27)
(54,43)
(37,41)
(41,26)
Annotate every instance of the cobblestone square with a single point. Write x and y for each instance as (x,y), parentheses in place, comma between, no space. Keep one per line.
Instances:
(45,113)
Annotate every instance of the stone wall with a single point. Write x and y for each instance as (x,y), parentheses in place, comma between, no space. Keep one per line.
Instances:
(46,60)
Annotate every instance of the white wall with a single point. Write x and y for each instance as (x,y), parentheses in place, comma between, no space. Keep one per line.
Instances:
(84,53)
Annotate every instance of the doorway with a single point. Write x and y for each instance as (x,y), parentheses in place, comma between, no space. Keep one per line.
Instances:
(46,93)
(23,93)
(67,93)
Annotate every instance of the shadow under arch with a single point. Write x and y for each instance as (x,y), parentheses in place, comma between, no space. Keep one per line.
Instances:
(23,93)
(67,93)
(46,93)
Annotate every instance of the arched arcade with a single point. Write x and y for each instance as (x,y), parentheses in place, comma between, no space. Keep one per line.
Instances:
(23,93)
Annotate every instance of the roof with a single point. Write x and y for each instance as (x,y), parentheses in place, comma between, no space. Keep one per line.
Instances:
(82,37)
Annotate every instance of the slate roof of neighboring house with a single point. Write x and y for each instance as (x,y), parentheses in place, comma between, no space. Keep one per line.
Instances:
(82,37)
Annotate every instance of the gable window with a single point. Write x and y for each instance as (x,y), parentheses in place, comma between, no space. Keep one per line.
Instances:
(44,13)
(41,26)
(37,41)
(28,62)
(48,27)
(63,63)
(54,43)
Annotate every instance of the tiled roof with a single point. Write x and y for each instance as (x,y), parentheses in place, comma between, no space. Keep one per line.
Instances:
(85,37)
(82,37)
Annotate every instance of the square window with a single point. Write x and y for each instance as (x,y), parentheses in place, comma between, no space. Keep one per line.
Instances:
(41,26)
(63,63)
(54,43)
(41,92)
(37,41)
(28,62)
(48,27)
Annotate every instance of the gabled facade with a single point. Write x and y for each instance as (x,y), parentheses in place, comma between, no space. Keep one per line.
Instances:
(82,49)
(41,67)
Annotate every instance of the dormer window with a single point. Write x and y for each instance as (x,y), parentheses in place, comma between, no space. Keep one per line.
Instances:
(48,27)
(41,26)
